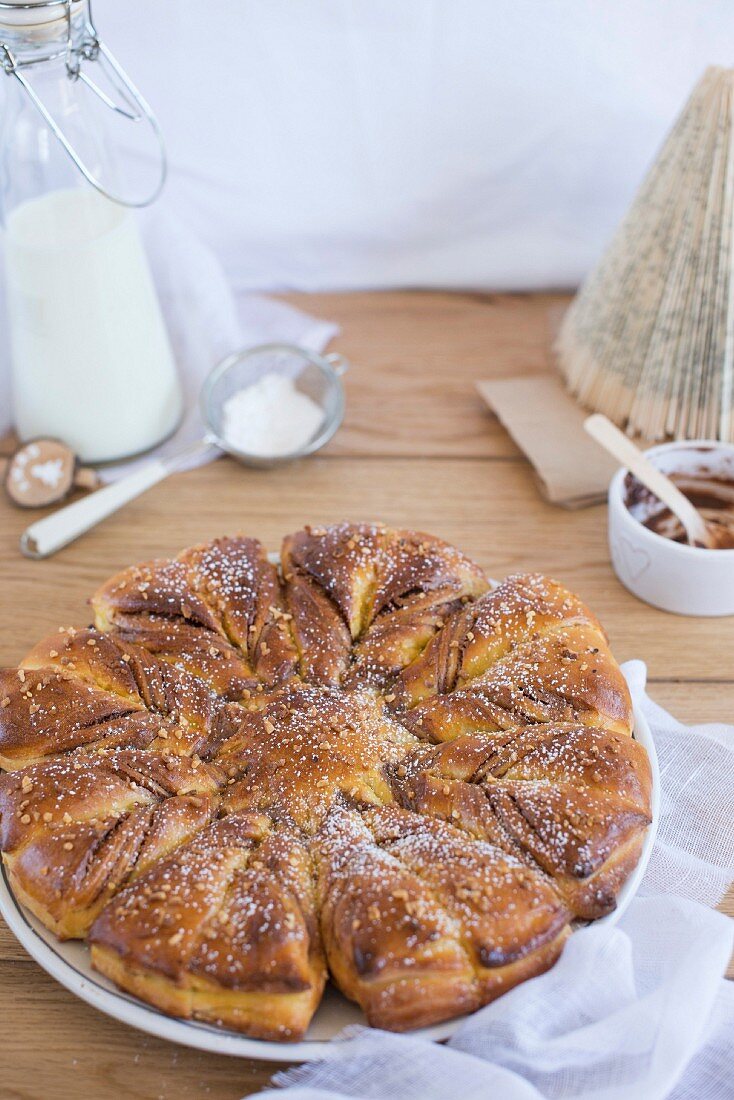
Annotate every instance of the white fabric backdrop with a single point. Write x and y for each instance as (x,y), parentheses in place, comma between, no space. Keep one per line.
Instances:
(348,143)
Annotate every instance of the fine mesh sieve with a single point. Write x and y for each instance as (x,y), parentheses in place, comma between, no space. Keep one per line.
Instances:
(316,376)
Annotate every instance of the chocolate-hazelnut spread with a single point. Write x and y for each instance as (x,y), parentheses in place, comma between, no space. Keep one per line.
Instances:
(713,497)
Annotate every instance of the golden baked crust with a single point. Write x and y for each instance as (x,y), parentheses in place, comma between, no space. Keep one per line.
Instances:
(215,610)
(309,750)
(569,800)
(365,764)
(74,829)
(419,925)
(529,651)
(366,596)
(224,930)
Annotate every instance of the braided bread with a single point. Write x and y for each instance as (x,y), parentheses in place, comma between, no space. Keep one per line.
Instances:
(365,764)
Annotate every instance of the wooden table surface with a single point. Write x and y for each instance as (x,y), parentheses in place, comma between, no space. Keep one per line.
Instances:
(417,449)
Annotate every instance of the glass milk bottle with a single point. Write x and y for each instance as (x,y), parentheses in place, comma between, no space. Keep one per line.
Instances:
(90,357)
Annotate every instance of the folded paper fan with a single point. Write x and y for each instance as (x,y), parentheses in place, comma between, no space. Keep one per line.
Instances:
(649,339)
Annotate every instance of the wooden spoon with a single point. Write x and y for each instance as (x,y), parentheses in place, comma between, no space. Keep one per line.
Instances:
(44,471)
(623,449)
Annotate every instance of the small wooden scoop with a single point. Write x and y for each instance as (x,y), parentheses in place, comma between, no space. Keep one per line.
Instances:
(43,472)
(627,454)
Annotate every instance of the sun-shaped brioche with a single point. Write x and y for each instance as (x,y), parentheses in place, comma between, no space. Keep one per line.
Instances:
(363,763)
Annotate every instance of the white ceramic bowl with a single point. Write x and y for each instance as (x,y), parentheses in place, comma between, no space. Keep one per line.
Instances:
(687,580)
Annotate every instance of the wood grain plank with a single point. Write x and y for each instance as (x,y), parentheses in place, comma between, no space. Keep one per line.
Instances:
(695,702)
(56,1047)
(491,509)
(416,357)
(417,449)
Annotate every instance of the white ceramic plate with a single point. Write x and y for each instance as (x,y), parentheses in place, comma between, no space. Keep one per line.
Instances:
(68,962)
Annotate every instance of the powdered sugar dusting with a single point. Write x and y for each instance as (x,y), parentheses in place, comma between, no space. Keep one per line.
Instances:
(361,762)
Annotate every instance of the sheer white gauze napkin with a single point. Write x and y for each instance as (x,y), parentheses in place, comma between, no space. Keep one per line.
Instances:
(635,1012)
(205,322)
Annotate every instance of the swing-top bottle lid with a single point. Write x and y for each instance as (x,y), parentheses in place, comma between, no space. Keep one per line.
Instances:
(37,31)
(34,13)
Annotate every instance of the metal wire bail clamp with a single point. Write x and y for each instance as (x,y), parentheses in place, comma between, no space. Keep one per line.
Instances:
(90,49)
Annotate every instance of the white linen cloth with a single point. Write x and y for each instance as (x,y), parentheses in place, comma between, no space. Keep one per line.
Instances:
(635,1012)
(337,144)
